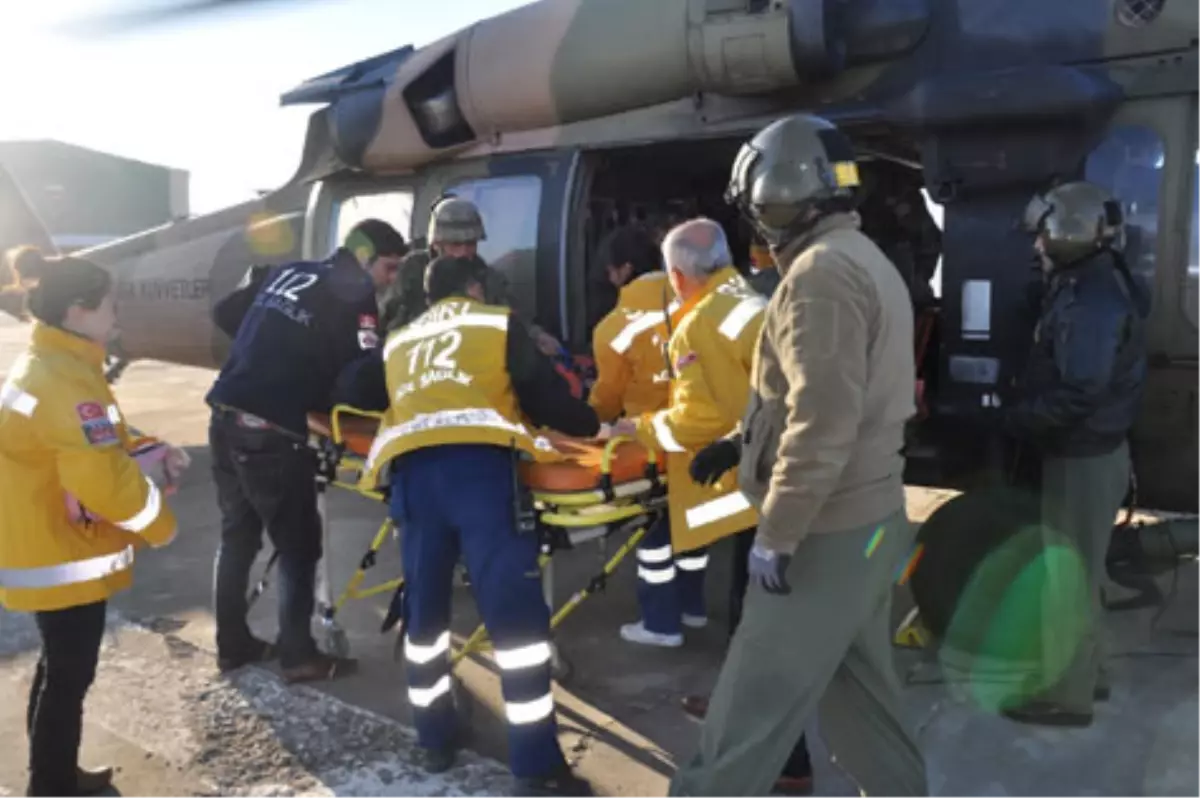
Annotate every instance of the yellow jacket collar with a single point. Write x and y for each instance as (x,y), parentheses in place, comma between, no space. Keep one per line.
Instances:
(717,279)
(651,291)
(53,339)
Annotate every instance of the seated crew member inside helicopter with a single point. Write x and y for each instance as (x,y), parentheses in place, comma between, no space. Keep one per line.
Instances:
(1076,403)
(294,328)
(460,378)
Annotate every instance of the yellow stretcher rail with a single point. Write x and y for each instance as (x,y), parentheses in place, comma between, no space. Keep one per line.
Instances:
(601,510)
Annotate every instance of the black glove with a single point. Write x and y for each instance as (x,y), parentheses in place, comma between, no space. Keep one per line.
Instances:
(711,462)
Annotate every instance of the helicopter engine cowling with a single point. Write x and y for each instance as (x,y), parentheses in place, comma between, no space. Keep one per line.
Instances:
(556,62)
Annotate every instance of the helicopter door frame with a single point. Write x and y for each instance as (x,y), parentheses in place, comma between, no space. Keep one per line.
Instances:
(1173,119)
(392,198)
(546,272)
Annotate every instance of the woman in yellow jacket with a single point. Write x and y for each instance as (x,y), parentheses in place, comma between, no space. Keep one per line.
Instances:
(76,506)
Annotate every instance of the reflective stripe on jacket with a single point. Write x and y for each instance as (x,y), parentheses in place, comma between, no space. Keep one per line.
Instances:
(448,383)
(711,351)
(62,435)
(628,346)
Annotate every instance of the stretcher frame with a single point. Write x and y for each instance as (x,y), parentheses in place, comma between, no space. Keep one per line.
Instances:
(596,514)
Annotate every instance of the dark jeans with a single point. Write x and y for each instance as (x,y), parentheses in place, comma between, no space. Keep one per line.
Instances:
(54,718)
(798,764)
(264,479)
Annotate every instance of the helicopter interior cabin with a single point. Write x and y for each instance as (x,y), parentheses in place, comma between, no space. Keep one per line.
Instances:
(658,185)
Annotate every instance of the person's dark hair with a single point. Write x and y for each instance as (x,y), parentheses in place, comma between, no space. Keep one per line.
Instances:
(628,244)
(24,263)
(378,237)
(446,276)
(61,282)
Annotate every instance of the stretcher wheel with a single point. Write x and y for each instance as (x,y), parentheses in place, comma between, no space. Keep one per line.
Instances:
(337,644)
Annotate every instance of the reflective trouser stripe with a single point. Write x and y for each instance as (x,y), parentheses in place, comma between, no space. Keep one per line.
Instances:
(717,509)
(70,573)
(654,556)
(656,576)
(692,563)
(421,654)
(666,438)
(148,514)
(526,712)
(524,657)
(422,697)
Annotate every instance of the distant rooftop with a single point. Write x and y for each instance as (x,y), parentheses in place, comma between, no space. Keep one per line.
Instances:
(11,145)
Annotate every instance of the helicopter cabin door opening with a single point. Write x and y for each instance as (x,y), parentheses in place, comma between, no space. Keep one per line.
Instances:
(659,185)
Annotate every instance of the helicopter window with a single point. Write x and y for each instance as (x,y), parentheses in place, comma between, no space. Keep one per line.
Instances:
(1129,163)
(509,207)
(393,207)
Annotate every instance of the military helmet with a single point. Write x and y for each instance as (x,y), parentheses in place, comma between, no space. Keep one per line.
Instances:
(455,221)
(1075,220)
(791,167)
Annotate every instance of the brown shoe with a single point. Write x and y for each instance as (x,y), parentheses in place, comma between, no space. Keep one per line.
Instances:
(794,785)
(93,781)
(320,668)
(695,706)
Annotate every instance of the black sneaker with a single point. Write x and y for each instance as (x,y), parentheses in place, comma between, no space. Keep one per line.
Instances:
(563,783)
(257,651)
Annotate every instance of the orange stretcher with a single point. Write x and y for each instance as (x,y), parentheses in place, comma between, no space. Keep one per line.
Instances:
(597,490)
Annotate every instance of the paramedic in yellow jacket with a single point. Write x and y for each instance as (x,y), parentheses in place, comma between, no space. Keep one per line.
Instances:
(714,334)
(461,377)
(628,344)
(76,507)
(632,378)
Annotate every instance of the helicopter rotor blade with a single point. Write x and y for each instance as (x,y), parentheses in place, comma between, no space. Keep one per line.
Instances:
(149,14)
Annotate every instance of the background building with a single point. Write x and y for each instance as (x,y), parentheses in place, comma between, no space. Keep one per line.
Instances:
(86,197)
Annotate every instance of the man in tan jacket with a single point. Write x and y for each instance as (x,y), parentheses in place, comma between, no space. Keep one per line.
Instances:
(832,386)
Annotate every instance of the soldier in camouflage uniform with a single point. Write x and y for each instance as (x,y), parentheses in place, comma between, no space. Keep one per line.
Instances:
(455,230)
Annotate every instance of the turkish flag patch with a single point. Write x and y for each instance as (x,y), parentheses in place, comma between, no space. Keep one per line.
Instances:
(366,322)
(96,426)
(89,411)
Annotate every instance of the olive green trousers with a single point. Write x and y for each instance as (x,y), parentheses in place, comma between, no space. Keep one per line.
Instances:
(825,647)
(1080,500)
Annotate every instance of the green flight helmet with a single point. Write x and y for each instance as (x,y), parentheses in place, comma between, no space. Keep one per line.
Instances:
(1075,220)
(791,168)
(455,221)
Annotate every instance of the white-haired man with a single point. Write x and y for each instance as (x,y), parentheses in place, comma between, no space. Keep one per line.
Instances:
(715,329)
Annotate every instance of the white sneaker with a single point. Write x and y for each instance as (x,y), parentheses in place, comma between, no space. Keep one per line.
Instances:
(637,633)
(694,621)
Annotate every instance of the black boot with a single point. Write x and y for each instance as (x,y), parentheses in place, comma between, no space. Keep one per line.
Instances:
(91,782)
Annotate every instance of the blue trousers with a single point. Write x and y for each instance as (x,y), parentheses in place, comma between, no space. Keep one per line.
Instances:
(669,585)
(458,500)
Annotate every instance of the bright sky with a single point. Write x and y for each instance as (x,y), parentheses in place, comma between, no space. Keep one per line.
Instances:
(201,95)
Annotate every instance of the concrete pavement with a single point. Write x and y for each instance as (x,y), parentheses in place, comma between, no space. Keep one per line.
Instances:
(160,712)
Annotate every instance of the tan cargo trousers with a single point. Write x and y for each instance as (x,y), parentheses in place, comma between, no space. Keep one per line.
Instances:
(824,647)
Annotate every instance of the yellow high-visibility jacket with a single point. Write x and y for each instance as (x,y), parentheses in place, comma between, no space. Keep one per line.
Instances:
(711,351)
(628,346)
(62,433)
(448,380)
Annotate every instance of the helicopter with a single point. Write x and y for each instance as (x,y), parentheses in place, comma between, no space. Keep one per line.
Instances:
(563,118)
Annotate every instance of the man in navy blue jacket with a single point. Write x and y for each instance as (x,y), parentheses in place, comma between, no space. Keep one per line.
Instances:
(295,327)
